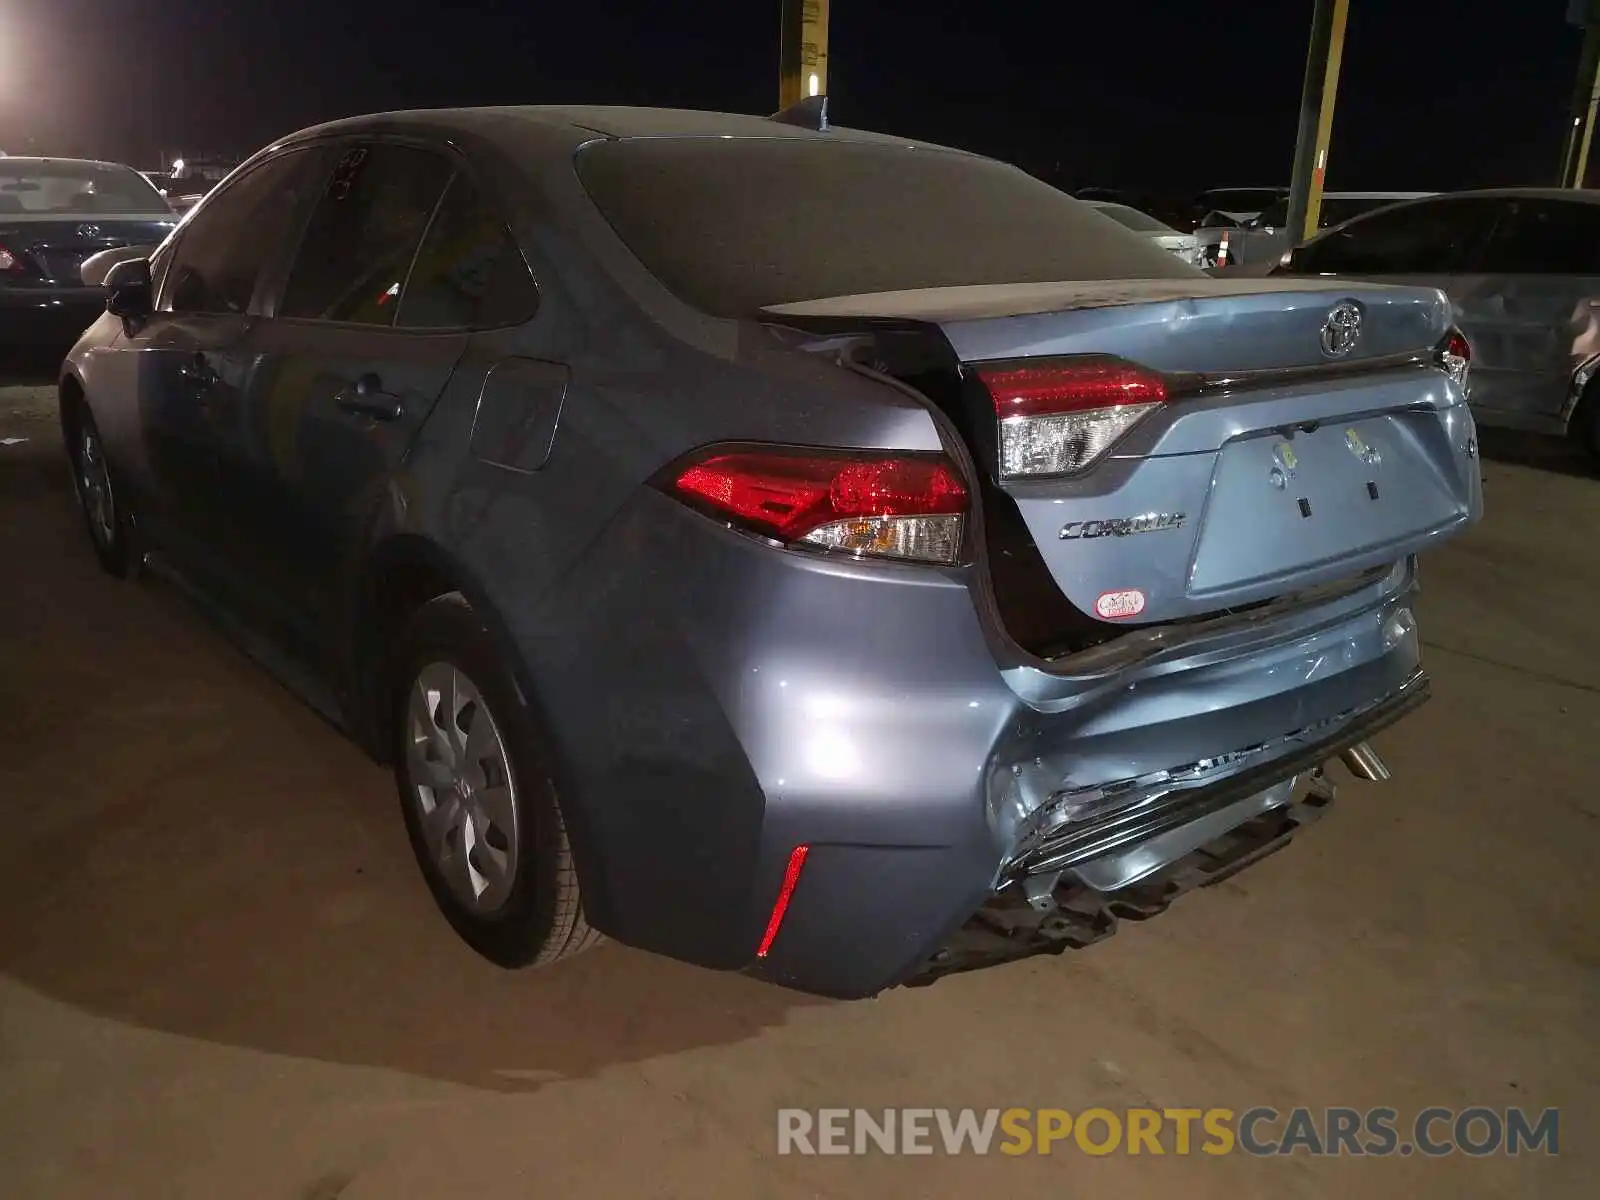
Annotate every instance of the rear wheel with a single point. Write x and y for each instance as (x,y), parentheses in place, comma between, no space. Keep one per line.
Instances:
(104,512)
(1585,426)
(479,804)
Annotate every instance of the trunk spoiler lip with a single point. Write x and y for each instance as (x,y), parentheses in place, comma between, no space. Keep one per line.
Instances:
(834,333)
(1001,301)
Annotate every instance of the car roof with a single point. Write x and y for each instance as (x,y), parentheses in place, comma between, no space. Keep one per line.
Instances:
(1575,195)
(1376,195)
(585,122)
(43,160)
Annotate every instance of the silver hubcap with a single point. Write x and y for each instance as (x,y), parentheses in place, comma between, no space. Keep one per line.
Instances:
(462,786)
(94,485)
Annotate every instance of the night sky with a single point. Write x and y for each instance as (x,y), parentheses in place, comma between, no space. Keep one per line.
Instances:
(1135,93)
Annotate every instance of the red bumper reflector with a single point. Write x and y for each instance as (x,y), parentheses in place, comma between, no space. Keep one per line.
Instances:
(791,876)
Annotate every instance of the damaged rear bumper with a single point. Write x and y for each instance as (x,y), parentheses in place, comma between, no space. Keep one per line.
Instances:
(1070,891)
(1112,834)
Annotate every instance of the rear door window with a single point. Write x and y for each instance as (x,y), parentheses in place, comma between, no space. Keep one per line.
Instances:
(363,235)
(220,253)
(469,273)
(1544,237)
(1430,238)
(732,225)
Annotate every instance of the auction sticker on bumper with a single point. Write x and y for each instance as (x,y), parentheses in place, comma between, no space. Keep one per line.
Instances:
(1119,606)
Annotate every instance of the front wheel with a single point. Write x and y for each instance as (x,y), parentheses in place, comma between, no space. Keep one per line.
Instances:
(479,804)
(104,512)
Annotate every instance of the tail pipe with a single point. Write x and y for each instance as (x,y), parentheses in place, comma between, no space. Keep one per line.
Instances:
(1364,762)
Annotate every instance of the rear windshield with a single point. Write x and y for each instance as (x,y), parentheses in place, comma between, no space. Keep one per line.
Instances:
(733,225)
(69,189)
(1134,219)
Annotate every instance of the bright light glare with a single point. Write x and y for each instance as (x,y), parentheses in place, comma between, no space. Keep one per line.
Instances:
(814,83)
(177,166)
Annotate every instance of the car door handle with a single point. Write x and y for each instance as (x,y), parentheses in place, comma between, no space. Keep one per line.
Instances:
(199,372)
(367,398)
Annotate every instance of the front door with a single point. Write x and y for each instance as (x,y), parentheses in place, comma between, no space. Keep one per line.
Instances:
(186,365)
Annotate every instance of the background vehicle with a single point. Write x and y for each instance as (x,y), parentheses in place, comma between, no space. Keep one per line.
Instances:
(1261,241)
(54,213)
(1220,208)
(1184,245)
(1521,267)
(810,553)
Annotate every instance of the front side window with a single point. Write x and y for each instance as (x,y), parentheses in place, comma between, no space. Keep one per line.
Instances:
(1274,216)
(1427,238)
(225,244)
(1545,237)
(363,234)
(469,273)
(51,187)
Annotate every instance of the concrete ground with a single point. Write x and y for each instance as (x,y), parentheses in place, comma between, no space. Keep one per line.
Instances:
(220,975)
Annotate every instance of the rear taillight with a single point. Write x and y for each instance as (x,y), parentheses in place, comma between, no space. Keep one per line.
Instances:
(8,260)
(886,506)
(1455,356)
(1060,416)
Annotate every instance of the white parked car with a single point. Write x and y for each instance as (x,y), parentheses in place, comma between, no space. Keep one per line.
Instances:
(1185,245)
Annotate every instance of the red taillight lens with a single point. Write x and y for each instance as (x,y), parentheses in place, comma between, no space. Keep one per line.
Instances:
(8,261)
(886,506)
(1455,356)
(1059,416)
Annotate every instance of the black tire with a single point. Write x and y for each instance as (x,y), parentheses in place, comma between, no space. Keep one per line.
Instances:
(541,919)
(112,529)
(1586,424)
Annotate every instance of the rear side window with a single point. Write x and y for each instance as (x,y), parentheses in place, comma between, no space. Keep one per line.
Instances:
(363,235)
(220,252)
(734,225)
(1544,237)
(469,273)
(1416,239)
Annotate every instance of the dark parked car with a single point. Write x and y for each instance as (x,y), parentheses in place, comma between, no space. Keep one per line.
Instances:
(54,213)
(796,551)
(1521,267)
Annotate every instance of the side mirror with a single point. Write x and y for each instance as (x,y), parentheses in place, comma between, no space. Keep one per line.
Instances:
(96,267)
(128,290)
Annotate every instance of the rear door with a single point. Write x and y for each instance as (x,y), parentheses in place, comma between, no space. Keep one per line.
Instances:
(1531,305)
(364,333)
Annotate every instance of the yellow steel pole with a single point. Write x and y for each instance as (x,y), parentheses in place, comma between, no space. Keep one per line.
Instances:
(1330,92)
(1581,167)
(803,51)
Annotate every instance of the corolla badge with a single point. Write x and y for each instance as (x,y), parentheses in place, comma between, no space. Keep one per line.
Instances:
(1122,526)
(1342,329)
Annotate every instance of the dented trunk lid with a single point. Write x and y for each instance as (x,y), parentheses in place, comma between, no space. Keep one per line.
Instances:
(1283,467)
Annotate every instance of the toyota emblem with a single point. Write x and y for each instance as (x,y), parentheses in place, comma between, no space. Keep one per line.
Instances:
(88,231)
(1342,329)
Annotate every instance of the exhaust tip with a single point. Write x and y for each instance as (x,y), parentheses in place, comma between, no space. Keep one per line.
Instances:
(1364,763)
